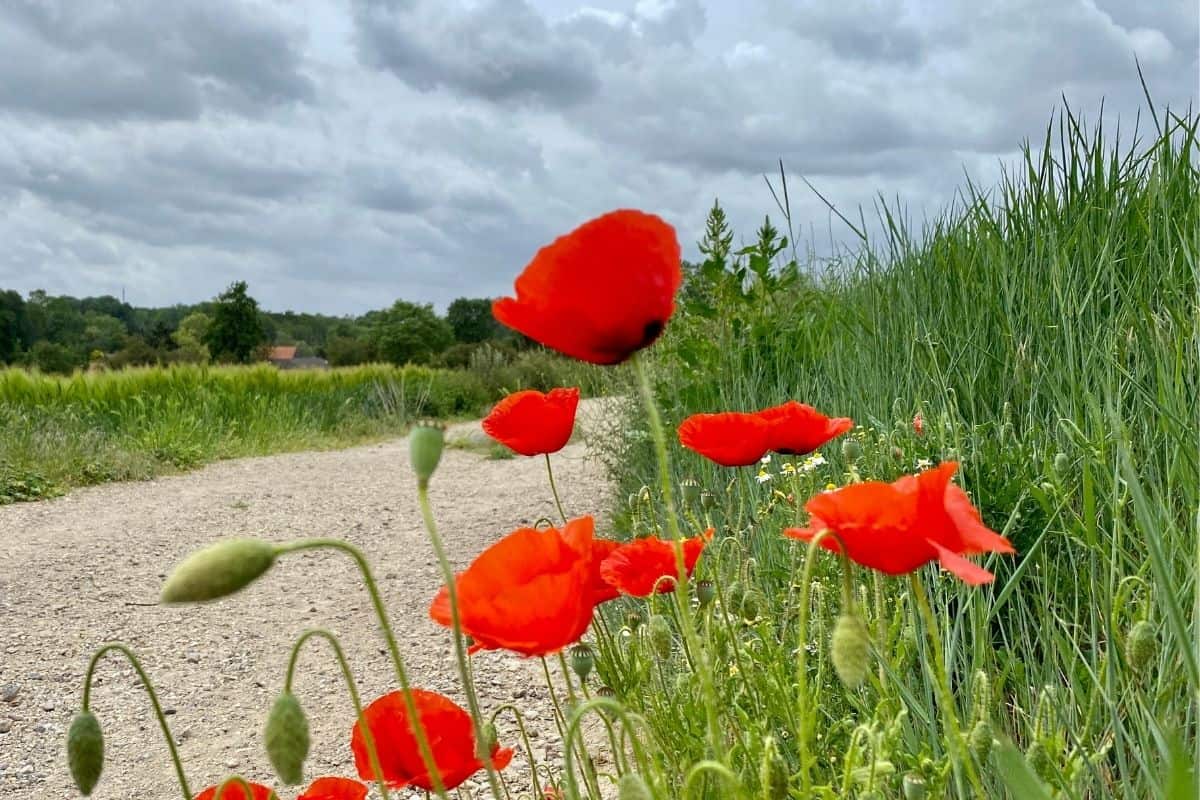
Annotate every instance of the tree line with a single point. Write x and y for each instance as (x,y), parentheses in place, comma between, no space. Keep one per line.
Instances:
(62,333)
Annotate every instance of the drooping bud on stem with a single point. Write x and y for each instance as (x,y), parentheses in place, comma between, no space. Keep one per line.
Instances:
(772,772)
(287,738)
(1141,646)
(425,450)
(659,632)
(85,751)
(218,570)
(851,643)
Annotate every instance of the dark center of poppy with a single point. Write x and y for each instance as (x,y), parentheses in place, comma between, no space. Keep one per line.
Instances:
(652,331)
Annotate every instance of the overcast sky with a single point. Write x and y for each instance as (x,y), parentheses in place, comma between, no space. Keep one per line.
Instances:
(339,154)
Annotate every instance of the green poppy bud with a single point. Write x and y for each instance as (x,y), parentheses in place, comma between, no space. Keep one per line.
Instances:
(659,633)
(850,650)
(1062,463)
(914,787)
(1141,646)
(218,570)
(634,620)
(708,500)
(733,597)
(85,751)
(287,738)
(751,602)
(632,787)
(852,450)
(980,740)
(705,592)
(582,660)
(772,772)
(425,450)
(689,490)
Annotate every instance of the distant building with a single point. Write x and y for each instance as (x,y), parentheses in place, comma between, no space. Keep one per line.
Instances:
(284,357)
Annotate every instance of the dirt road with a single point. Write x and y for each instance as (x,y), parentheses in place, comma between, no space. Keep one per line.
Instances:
(86,568)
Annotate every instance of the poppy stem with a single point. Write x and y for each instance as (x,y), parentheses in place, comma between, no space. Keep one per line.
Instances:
(688,626)
(554,489)
(389,636)
(238,781)
(158,712)
(351,687)
(959,758)
(482,746)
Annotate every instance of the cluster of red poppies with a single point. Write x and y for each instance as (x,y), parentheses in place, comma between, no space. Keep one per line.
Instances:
(600,294)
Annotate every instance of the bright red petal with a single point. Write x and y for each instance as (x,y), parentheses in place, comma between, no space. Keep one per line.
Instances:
(731,439)
(976,537)
(532,423)
(797,429)
(638,568)
(234,791)
(334,789)
(968,571)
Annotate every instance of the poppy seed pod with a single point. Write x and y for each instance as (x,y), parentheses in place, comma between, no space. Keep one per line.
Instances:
(287,738)
(218,570)
(632,787)
(772,772)
(659,633)
(852,450)
(705,592)
(425,450)
(708,500)
(582,660)
(85,751)
(606,692)
(1141,646)
(850,650)
(689,490)
(634,620)
(914,787)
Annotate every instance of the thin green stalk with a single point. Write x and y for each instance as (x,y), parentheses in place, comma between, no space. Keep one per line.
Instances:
(688,626)
(464,669)
(150,692)
(961,759)
(554,490)
(351,688)
(385,626)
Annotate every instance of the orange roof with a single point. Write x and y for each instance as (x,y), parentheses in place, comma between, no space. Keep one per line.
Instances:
(285,353)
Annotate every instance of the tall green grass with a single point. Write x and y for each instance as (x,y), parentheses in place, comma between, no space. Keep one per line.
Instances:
(1048,330)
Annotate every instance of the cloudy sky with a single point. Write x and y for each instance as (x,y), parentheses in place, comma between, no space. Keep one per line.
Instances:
(338,154)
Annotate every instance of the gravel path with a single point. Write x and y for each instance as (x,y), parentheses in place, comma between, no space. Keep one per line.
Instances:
(86,568)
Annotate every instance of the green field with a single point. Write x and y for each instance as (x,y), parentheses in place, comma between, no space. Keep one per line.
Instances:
(60,432)
(1048,331)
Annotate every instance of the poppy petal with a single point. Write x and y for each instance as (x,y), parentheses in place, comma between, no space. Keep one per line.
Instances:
(334,788)
(976,537)
(731,439)
(968,571)
(532,423)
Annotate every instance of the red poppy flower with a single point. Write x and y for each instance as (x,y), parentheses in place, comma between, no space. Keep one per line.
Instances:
(532,423)
(637,568)
(799,429)
(919,424)
(530,592)
(448,730)
(234,791)
(897,527)
(731,439)
(600,293)
(335,789)
(602,590)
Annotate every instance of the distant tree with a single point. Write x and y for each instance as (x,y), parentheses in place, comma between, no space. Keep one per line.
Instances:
(159,335)
(14,326)
(236,331)
(136,352)
(189,338)
(408,332)
(53,357)
(471,320)
(102,332)
(346,351)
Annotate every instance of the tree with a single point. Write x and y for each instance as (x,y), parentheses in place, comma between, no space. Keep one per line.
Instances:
(14,326)
(236,330)
(189,338)
(346,351)
(471,320)
(102,332)
(51,357)
(408,332)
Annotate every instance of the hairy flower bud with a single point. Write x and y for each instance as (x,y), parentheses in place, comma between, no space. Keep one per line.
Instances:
(287,738)
(1039,760)
(734,596)
(582,660)
(425,450)
(1141,646)
(218,570)
(981,695)
(850,650)
(1062,462)
(772,772)
(632,787)
(659,633)
(751,602)
(852,450)
(85,751)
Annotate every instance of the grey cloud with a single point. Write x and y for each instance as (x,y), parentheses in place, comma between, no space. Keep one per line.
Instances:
(858,30)
(147,60)
(500,50)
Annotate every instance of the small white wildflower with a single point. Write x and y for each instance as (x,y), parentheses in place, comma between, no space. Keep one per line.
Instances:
(924,463)
(788,469)
(763,476)
(765,459)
